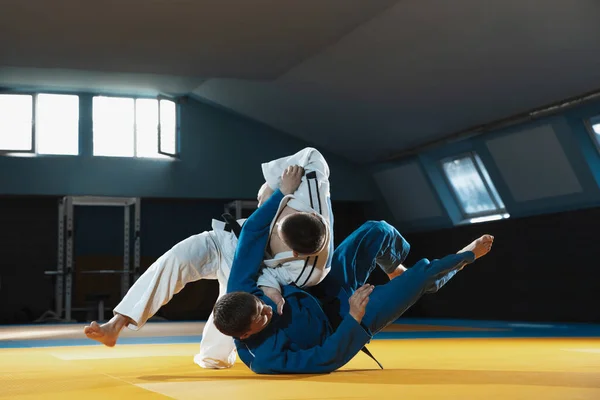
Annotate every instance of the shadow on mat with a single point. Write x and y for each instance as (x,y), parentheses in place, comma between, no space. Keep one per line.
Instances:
(225,377)
(413,377)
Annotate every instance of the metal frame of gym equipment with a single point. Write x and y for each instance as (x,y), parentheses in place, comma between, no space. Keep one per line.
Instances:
(65,263)
(236,207)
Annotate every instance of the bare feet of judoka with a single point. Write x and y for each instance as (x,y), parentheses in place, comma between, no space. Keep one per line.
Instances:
(481,246)
(107,333)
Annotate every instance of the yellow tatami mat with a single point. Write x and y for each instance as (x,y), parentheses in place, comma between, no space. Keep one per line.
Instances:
(473,368)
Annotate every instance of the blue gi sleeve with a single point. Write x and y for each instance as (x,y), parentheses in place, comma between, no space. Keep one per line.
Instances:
(337,350)
(251,246)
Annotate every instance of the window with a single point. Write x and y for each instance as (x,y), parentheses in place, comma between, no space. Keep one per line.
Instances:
(16,116)
(56,128)
(595,130)
(113,127)
(128,127)
(57,124)
(474,191)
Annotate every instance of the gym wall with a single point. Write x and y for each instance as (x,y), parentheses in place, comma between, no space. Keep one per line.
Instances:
(220,162)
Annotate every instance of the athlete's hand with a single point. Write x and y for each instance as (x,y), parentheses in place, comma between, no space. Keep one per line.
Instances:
(291,179)
(276,296)
(359,300)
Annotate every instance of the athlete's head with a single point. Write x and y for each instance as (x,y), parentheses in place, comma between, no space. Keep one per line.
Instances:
(305,233)
(241,315)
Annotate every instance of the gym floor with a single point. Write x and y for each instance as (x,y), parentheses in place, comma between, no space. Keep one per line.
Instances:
(423,359)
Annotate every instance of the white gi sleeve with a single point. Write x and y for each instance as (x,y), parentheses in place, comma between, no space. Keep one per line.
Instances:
(314,189)
(272,277)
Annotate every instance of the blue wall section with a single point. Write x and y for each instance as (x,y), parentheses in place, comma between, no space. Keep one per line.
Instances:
(220,158)
(575,140)
(419,224)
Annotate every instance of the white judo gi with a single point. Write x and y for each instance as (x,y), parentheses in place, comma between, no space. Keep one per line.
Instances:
(209,255)
(311,196)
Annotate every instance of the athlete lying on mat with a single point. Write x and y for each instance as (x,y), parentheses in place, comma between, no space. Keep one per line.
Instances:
(300,258)
(321,331)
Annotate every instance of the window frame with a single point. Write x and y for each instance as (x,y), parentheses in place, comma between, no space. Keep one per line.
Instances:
(176,153)
(34,151)
(589,125)
(171,157)
(500,210)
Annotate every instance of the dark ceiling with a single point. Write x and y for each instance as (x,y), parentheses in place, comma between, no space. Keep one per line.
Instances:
(360,78)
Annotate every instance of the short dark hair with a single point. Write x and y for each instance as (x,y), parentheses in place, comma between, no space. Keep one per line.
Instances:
(304,232)
(233,313)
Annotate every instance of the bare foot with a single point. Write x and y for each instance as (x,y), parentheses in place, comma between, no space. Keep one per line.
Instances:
(399,271)
(481,246)
(107,333)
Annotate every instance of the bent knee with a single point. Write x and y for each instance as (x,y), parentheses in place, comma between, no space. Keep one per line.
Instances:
(379,226)
(383,229)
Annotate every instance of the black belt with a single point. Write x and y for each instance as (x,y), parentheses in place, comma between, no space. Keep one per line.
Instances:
(367,352)
(331,307)
(233,226)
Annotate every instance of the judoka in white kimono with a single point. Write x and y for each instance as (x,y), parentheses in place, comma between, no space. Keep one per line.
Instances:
(209,255)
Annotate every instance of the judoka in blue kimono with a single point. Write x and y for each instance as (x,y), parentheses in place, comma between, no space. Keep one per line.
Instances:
(316,333)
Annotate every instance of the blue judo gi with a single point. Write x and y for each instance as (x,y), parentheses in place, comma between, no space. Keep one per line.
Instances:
(316,333)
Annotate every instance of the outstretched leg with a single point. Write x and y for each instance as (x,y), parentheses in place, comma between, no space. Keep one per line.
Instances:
(388,302)
(192,259)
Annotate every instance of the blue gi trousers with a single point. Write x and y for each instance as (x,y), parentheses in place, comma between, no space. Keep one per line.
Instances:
(378,243)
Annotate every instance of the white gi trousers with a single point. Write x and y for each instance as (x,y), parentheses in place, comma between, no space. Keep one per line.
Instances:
(208,255)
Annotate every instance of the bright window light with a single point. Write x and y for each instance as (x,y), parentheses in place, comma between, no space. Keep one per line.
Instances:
(126,127)
(168,127)
(473,188)
(495,217)
(16,116)
(113,119)
(57,124)
(595,130)
(146,123)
